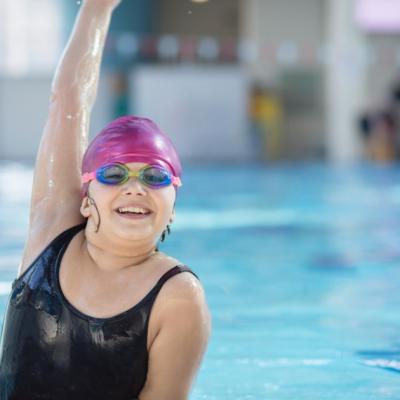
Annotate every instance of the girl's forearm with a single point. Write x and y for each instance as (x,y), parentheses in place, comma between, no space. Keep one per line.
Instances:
(77,74)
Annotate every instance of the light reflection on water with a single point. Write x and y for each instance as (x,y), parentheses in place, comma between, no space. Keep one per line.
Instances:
(301,268)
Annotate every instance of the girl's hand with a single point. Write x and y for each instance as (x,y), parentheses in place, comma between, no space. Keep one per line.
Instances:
(104,3)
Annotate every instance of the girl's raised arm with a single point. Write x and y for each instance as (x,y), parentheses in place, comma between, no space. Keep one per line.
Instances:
(55,197)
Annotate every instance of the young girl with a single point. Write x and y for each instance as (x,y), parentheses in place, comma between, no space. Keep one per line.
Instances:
(97,312)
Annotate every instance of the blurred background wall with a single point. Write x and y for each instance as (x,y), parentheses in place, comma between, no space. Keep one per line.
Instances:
(228,80)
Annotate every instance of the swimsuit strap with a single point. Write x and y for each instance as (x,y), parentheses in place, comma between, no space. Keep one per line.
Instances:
(173,271)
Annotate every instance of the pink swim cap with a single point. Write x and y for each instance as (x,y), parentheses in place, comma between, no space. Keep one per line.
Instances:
(131,139)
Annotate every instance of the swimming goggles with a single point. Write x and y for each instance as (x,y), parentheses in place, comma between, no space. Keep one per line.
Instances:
(154,176)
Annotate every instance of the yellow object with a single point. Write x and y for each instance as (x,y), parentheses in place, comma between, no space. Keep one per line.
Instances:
(266,111)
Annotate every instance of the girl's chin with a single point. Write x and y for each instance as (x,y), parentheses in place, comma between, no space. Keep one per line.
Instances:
(133,230)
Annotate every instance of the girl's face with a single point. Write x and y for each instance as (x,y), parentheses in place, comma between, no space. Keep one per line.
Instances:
(109,200)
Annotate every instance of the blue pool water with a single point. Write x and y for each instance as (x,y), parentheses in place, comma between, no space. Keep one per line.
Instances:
(301,266)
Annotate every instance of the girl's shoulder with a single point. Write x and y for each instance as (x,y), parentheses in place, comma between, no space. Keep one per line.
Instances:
(184,285)
(166,261)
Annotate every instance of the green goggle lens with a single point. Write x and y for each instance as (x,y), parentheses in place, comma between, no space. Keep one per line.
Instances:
(112,175)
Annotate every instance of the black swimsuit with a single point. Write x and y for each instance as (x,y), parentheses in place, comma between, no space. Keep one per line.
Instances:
(50,350)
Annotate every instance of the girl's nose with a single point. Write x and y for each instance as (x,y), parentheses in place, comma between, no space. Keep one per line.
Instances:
(134,185)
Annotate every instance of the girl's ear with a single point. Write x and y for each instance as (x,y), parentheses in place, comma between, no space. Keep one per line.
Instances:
(85,207)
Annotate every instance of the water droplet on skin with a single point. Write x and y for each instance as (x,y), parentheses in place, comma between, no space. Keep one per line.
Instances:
(96,43)
(69,116)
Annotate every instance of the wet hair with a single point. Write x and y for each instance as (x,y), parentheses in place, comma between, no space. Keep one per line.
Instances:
(91,201)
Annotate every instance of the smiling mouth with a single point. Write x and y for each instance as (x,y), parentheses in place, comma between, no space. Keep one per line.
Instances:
(133,214)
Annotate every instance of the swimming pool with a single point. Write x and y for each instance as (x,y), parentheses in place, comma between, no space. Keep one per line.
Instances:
(301,265)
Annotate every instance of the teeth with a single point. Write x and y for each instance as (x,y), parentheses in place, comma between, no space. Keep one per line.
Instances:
(136,210)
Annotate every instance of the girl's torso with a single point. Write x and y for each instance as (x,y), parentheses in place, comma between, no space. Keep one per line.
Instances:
(102,295)
(61,341)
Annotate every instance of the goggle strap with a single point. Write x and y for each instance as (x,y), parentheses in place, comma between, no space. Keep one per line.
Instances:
(176,181)
(88,176)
